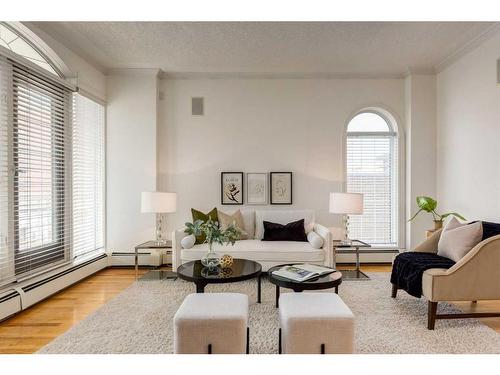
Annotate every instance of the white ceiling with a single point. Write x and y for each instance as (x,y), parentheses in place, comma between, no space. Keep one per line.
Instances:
(275,48)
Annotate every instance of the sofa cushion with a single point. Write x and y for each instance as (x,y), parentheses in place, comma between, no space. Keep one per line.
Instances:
(198,215)
(225,220)
(293,231)
(315,240)
(458,239)
(282,217)
(257,250)
(249,222)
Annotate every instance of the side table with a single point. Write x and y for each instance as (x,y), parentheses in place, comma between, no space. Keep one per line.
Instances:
(149,245)
(357,247)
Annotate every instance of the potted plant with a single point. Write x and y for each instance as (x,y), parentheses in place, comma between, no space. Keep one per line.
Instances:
(429,205)
(213,234)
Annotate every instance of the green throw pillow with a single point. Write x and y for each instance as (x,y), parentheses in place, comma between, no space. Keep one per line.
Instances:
(198,215)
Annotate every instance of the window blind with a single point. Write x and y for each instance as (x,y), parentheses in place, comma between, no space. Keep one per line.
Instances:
(7,273)
(372,170)
(88,176)
(40,153)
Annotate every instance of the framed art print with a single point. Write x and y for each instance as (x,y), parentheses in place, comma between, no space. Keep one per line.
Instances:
(256,188)
(281,187)
(231,188)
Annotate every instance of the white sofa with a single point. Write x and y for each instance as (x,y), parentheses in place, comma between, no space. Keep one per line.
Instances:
(267,253)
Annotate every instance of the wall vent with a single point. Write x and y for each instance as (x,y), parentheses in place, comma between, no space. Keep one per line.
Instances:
(197,106)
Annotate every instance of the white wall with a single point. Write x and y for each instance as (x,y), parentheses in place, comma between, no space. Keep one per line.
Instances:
(262,125)
(420,94)
(131,157)
(468,173)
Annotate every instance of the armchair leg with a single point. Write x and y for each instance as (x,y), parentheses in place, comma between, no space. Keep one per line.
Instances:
(431,314)
(394,290)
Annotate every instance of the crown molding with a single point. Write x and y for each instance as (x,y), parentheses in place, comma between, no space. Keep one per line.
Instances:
(262,75)
(420,71)
(144,72)
(468,47)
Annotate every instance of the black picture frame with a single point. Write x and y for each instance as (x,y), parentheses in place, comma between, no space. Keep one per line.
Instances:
(224,199)
(272,198)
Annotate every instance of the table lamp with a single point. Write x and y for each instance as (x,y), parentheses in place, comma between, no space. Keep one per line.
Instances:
(346,204)
(159,203)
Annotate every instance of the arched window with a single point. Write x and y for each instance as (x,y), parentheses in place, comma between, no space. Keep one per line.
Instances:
(372,169)
(51,161)
(17,43)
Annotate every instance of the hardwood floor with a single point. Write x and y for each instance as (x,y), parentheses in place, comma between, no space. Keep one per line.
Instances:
(31,329)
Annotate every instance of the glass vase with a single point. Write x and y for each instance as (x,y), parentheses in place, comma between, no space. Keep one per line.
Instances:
(210,259)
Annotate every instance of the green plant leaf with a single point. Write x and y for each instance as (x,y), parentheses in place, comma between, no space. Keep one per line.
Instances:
(414,216)
(426,203)
(453,214)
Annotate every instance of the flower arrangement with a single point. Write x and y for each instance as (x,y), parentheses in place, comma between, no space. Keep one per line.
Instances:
(213,234)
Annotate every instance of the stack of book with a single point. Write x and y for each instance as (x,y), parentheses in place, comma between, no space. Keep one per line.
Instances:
(302,272)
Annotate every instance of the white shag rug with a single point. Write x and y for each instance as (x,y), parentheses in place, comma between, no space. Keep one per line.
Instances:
(140,320)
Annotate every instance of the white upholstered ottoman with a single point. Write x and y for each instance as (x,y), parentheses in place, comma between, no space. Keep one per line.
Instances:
(212,323)
(314,323)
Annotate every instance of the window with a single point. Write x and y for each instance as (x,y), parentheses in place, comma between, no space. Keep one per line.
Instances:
(88,176)
(51,169)
(21,46)
(39,150)
(372,169)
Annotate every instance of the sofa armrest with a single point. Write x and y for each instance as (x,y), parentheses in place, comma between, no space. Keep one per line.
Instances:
(325,233)
(177,236)
(474,277)
(429,245)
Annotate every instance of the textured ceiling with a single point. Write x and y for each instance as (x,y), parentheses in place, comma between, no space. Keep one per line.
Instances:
(336,48)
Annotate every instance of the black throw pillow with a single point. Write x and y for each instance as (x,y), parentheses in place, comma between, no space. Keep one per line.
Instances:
(291,232)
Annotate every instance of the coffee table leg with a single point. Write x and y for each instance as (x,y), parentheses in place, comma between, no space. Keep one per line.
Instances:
(259,288)
(277,296)
(336,290)
(200,288)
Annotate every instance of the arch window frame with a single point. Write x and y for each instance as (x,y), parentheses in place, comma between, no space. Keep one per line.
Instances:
(394,130)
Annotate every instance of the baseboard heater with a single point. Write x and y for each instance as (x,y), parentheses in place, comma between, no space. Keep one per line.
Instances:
(26,294)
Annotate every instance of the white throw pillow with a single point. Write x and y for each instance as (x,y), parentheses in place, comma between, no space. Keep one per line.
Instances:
(458,239)
(188,241)
(315,240)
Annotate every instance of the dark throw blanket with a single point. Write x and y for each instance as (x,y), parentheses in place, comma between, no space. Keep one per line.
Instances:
(409,267)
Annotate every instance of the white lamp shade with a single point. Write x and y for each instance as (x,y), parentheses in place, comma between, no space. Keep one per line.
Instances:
(158,202)
(346,203)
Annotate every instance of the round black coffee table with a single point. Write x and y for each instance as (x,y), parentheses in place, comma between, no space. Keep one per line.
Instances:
(332,280)
(201,276)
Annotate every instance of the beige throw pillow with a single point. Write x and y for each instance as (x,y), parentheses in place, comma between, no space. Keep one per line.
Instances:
(237,219)
(458,239)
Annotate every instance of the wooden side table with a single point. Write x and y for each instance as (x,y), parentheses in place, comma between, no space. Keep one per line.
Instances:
(150,245)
